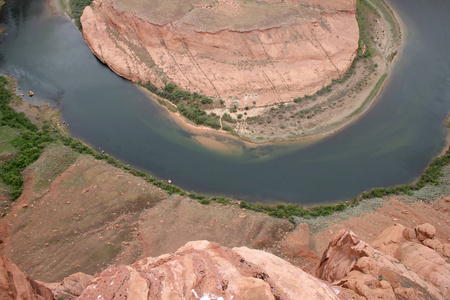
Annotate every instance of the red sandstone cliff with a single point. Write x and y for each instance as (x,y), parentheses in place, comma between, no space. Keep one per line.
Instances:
(246,53)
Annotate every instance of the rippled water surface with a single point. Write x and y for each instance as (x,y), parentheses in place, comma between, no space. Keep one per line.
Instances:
(392,144)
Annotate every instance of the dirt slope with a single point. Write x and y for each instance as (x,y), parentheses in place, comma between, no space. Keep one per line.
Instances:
(80,214)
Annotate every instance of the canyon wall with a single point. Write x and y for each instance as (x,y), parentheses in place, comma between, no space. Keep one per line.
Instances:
(245,53)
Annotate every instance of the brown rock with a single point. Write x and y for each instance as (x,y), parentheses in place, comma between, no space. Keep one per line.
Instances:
(201,49)
(291,280)
(434,244)
(71,286)
(30,93)
(208,271)
(410,234)
(425,231)
(16,285)
(345,248)
(355,265)
(296,246)
(421,259)
(446,250)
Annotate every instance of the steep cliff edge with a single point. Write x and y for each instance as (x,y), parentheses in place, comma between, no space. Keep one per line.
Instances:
(246,53)
(205,270)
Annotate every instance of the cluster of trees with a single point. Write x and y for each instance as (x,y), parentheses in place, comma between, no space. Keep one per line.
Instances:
(188,104)
(76,8)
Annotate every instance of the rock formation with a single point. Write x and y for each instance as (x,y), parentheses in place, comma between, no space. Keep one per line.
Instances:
(14,284)
(204,270)
(419,250)
(198,270)
(247,53)
(397,266)
(406,269)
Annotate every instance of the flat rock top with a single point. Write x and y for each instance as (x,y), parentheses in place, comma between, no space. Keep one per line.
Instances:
(216,15)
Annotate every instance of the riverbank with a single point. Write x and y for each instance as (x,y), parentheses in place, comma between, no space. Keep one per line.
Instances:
(331,109)
(344,101)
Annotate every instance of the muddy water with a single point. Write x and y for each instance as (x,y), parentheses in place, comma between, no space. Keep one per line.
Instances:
(390,145)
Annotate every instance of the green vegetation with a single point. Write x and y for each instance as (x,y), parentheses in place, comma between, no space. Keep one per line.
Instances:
(429,177)
(76,8)
(7,135)
(364,16)
(389,15)
(28,142)
(28,145)
(372,94)
(188,104)
(288,210)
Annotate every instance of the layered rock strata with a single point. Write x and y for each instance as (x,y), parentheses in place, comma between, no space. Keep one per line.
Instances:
(204,270)
(198,270)
(398,266)
(403,267)
(247,53)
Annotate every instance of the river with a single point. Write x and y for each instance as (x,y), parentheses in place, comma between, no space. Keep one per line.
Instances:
(391,144)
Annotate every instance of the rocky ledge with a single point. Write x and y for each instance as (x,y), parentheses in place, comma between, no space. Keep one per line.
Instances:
(246,53)
(401,263)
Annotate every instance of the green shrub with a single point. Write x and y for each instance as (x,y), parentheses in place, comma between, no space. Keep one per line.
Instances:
(77,7)
(29,144)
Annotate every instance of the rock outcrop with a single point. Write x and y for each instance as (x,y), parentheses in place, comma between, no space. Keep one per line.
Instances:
(204,270)
(395,268)
(71,287)
(248,53)
(419,250)
(15,285)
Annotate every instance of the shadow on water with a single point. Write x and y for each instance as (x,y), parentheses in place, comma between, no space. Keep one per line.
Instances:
(391,145)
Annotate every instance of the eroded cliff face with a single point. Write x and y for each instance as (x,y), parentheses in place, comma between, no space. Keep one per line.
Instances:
(246,53)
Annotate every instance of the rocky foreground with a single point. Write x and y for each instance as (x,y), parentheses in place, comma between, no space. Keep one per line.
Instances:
(247,53)
(402,263)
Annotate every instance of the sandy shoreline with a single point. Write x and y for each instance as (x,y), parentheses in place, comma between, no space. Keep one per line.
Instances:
(365,97)
(221,140)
